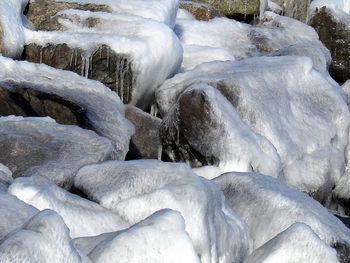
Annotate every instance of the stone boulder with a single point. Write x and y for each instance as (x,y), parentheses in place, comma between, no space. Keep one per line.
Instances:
(201,11)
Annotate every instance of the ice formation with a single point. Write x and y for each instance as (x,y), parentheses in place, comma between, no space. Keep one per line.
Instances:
(5,177)
(298,243)
(340,8)
(43,238)
(270,207)
(158,238)
(41,146)
(287,101)
(103,108)
(83,217)
(217,233)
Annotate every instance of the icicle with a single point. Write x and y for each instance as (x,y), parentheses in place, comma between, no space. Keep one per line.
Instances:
(154,110)
(121,76)
(107,57)
(76,58)
(263,7)
(87,65)
(160,150)
(245,9)
(71,57)
(41,55)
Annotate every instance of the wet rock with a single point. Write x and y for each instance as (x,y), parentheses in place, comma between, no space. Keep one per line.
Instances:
(297,9)
(201,11)
(145,143)
(335,35)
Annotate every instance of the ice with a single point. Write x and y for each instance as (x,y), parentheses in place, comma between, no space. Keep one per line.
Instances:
(43,238)
(298,243)
(339,8)
(159,238)
(104,110)
(300,110)
(5,177)
(41,146)
(13,213)
(270,207)
(217,233)
(208,172)
(83,217)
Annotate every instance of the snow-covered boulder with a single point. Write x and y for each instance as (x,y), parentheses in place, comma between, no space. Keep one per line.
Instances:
(159,238)
(298,9)
(41,146)
(137,189)
(269,207)
(83,217)
(29,89)
(5,177)
(298,243)
(43,238)
(298,109)
(13,213)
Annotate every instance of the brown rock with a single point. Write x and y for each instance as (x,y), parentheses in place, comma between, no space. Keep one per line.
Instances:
(201,11)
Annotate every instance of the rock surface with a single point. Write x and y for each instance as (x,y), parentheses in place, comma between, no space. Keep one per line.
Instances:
(201,11)
(242,7)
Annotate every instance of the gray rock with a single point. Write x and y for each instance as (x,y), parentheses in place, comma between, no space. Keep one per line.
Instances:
(201,11)
(227,7)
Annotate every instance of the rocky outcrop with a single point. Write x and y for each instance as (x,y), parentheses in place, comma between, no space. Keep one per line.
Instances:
(335,35)
(201,11)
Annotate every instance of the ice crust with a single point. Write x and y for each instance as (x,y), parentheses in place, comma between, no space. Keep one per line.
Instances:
(104,109)
(298,109)
(217,233)
(50,149)
(270,207)
(298,243)
(83,217)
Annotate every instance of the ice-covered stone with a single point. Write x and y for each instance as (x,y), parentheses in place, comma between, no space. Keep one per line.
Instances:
(137,189)
(41,146)
(5,177)
(83,217)
(201,11)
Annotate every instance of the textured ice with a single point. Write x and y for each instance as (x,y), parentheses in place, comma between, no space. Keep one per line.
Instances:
(270,207)
(5,177)
(43,238)
(217,233)
(103,108)
(208,172)
(159,238)
(298,109)
(339,8)
(42,147)
(298,243)
(13,213)
(83,217)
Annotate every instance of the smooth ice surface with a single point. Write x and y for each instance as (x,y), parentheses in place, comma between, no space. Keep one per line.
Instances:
(43,238)
(296,244)
(104,109)
(150,185)
(208,172)
(299,110)
(41,146)
(159,238)
(83,217)
(270,207)
(13,213)
(154,49)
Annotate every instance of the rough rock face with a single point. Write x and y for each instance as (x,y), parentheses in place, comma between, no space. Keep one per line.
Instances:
(145,143)
(297,9)
(336,37)
(42,13)
(201,11)
(101,65)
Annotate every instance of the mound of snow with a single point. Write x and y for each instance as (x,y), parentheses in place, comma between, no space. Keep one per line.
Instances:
(150,185)
(83,217)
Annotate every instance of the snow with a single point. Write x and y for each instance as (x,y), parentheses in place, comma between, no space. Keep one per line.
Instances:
(104,110)
(270,207)
(208,172)
(13,213)
(83,217)
(43,238)
(298,109)
(298,243)
(42,147)
(150,185)
(159,238)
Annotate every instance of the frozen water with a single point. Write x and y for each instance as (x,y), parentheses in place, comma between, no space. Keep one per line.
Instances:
(270,207)
(339,8)
(83,217)
(208,172)
(41,146)
(217,233)
(298,243)
(159,238)
(43,238)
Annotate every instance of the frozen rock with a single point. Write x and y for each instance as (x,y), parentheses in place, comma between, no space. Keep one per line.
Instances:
(43,238)
(83,217)
(159,238)
(201,11)
(298,243)
(217,233)
(297,9)
(145,143)
(13,213)
(30,89)
(203,128)
(5,177)
(270,207)
(41,146)
(272,96)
